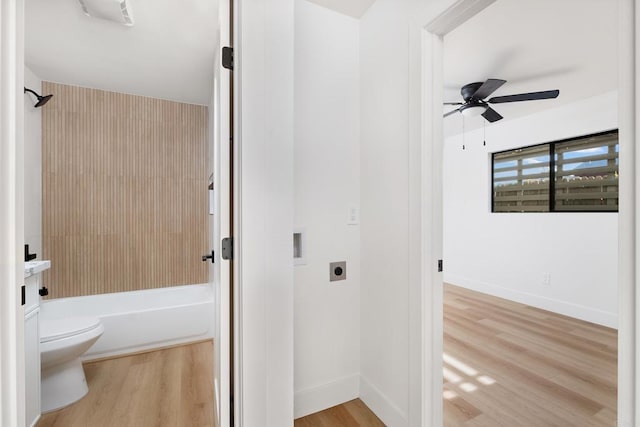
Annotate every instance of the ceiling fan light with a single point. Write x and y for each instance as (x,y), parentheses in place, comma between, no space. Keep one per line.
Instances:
(473,110)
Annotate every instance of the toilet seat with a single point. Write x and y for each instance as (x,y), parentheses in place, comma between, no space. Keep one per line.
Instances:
(57,329)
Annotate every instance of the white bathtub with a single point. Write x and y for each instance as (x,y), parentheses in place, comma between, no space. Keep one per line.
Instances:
(141,320)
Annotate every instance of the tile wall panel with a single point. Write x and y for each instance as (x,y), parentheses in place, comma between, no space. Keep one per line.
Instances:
(124,192)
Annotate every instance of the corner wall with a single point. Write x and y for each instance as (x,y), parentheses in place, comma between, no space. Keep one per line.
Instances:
(506,254)
(385,179)
(398,376)
(326,184)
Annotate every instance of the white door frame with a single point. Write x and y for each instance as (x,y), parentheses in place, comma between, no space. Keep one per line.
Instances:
(12,371)
(628,232)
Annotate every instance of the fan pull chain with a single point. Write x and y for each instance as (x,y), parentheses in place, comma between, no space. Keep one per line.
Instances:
(463,133)
(484,130)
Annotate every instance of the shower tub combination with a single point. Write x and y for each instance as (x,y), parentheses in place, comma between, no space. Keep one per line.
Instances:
(141,320)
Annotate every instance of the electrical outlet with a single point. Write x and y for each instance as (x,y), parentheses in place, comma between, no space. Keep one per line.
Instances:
(546,279)
(337,271)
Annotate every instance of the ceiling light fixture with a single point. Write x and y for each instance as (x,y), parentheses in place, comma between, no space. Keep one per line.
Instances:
(110,10)
(473,110)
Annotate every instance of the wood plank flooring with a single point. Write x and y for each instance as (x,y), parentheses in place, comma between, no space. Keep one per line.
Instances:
(350,414)
(508,364)
(505,364)
(169,388)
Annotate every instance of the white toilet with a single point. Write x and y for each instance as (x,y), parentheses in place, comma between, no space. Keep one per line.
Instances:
(62,342)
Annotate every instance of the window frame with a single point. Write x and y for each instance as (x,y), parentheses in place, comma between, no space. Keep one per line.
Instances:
(552,175)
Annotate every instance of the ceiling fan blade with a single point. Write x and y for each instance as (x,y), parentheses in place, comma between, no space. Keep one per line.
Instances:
(487,88)
(491,115)
(532,96)
(453,103)
(450,112)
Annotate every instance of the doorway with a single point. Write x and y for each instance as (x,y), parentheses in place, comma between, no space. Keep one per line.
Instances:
(507,235)
(433,48)
(155,159)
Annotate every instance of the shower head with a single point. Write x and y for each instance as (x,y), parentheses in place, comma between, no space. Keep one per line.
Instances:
(41,99)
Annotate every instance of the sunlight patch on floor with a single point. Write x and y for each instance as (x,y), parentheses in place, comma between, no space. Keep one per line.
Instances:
(464,368)
(449,394)
(451,376)
(486,380)
(468,387)
(456,372)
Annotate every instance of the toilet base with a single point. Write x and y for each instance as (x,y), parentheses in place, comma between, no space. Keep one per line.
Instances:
(62,385)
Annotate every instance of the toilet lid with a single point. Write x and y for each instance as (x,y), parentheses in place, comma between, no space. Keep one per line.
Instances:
(55,329)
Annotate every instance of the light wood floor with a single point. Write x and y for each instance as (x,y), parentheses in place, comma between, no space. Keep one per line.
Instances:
(508,364)
(169,388)
(350,414)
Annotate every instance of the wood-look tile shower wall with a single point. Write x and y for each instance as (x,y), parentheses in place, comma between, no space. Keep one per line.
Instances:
(125,199)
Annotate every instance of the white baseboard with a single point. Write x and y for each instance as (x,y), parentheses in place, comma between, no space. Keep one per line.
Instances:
(91,356)
(557,306)
(325,396)
(380,404)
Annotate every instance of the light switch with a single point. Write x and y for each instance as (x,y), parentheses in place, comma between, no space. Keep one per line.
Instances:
(354,215)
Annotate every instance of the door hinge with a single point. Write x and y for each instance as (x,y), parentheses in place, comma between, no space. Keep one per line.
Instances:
(24,294)
(227,248)
(227,57)
(439,266)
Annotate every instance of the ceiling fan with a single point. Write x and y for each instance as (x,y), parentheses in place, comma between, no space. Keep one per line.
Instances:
(474,95)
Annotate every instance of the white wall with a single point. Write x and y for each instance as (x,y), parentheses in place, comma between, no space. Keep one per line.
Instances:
(326,184)
(506,254)
(385,210)
(263,253)
(33,165)
(395,205)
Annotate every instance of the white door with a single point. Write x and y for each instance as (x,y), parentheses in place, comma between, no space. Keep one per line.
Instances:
(12,372)
(222,222)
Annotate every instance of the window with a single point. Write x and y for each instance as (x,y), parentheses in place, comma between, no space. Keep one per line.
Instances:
(521,180)
(574,175)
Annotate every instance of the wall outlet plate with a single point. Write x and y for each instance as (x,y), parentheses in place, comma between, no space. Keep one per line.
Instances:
(354,215)
(337,271)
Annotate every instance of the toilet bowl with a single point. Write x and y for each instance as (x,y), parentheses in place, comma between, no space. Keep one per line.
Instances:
(62,342)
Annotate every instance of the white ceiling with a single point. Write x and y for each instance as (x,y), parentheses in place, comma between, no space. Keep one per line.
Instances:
(168,53)
(354,8)
(570,45)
